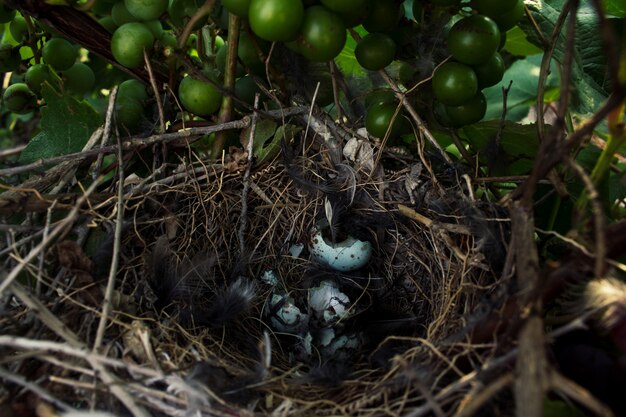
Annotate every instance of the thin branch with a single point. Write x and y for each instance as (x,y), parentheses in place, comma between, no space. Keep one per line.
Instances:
(204,10)
(108,294)
(95,171)
(226,109)
(415,116)
(598,218)
(34,388)
(190,133)
(155,90)
(246,181)
(545,67)
(61,227)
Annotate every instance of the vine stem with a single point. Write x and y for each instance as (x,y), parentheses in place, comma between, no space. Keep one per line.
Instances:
(226,111)
(204,10)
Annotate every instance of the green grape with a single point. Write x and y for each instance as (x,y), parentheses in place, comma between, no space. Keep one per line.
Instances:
(199,97)
(155,27)
(454,83)
(79,79)
(128,43)
(129,113)
(121,15)
(383,16)
(59,54)
(18,98)
(490,72)
(469,112)
(108,23)
(375,51)
(378,118)
(132,89)
(473,40)
(18,28)
(36,75)
(322,35)
(146,9)
(237,7)
(276,20)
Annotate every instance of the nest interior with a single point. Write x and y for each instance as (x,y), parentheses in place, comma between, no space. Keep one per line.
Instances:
(193,324)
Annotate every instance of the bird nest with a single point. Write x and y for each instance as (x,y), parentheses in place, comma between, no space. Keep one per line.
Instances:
(204,292)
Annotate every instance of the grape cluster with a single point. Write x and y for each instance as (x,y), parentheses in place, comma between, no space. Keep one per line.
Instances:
(474,42)
(316,30)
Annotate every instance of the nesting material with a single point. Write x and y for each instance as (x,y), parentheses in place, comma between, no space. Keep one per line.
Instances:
(317,334)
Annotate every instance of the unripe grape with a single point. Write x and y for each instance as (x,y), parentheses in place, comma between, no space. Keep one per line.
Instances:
(510,18)
(129,42)
(36,75)
(473,40)
(129,113)
(375,51)
(18,28)
(490,72)
(108,23)
(121,15)
(454,83)
(155,27)
(469,112)
(383,16)
(18,98)
(79,79)
(237,7)
(59,54)
(132,89)
(146,9)
(199,97)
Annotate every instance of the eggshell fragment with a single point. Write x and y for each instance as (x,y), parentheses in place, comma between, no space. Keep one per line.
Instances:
(328,303)
(288,318)
(348,255)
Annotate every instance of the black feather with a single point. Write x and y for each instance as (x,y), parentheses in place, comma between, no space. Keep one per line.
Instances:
(189,290)
(226,305)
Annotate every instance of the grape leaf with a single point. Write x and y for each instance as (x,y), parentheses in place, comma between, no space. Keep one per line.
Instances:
(615,8)
(346,61)
(524,75)
(517,150)
(66,125)
(589,83)
(517,43)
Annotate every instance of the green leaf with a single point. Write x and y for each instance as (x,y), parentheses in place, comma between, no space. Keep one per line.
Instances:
(66,125)
(267,138)
(263,131)
(615,8)
(517,150)
(346,61)
(589,81)
(517,43)
(523,93)
(265,152)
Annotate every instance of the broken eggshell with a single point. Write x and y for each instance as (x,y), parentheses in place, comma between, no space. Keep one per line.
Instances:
(287,318)
(348,255)
(338,346)
(328,303)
